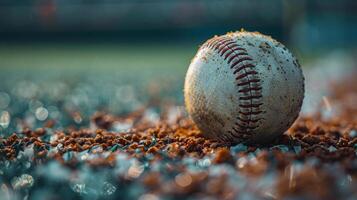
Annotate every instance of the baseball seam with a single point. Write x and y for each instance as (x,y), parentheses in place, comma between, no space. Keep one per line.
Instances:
(248,83)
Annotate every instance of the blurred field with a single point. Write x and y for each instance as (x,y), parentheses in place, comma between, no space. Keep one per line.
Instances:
(64,80)
(120,57)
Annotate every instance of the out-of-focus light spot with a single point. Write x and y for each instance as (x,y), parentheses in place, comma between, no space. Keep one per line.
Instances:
(174,113)
(57,90)
(327,103)
(125,93)
(22,182)
(327,114)
(349,178)
(4,100)
(241,162)
(30,119)
(84,156)
(149,197)
(123,126)
(291,177)
(332,149)
(108,189)
(270,195)
(183,180)
(34,105)
(96,149)
(206,162)
(77,117)
(152,116)
(26,89)
(41,113)
(353,133)
(79,188)
(59,147)
(53,138)
(5,119)
(53,111)
(135,170)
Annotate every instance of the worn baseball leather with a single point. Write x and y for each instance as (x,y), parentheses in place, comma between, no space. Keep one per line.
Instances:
(244,87)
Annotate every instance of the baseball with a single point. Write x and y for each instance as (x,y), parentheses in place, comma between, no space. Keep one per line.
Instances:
(244,87)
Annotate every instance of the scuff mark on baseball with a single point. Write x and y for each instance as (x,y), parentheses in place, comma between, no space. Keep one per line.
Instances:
(244,87)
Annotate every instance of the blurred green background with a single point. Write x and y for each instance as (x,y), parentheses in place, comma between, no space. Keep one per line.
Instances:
(80,56)
(160,34)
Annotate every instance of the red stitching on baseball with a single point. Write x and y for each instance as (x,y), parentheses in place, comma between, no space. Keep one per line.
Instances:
(251,105)
(249,89)
(232,47)
(246,74)
(248,120)
(237,132)
(247,77)
(225,43)
(251,97)
(218,47)
(235,55)
(248,82)
(240,60)
(213,42)
(250,112)
(225,49)
(246,126)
